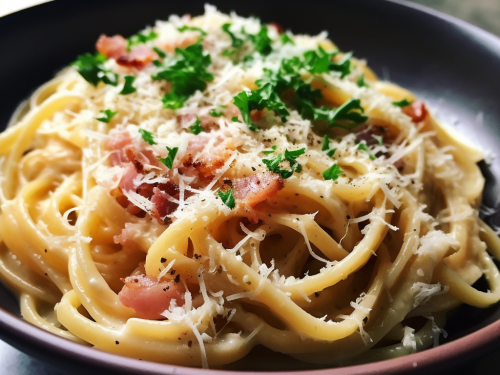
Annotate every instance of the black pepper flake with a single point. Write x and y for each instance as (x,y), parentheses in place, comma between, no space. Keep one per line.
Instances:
(177,278)
(190,343)
(269,215)
(296,194)
(348,217)
(45,273)
(45,250)
(163,260)
(321,196)
(253,169)
(172,272)
(117,342)
(316,294)
(196,256)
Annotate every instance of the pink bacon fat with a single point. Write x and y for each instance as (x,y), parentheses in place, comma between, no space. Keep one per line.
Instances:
(115,47)
(257,188)
(148,297)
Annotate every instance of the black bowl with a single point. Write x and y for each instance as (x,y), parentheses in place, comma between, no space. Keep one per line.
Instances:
(453,66)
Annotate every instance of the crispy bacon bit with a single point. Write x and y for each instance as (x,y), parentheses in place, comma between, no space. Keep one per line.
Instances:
(138,58)
(277,26)
(148,297)
(417,111)
(206,165)
(257,188)
(162,205)
(113,47)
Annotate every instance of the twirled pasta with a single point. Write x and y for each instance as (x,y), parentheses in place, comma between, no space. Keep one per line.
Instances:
(357,266)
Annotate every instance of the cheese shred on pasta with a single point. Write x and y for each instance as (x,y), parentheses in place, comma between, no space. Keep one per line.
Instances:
(214,183)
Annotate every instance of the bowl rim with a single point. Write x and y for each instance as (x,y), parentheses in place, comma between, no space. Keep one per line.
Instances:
(36,341)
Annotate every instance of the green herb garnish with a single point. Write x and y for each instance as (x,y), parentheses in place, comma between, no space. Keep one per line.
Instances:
(196,128)
(332,173)
(227,198)
(190,28)
(361,81)
(285,38)
(269,152)
(141,38)
(273,164)
(364,147)
(147,136)
(128,87)
(215,113)
(235,41)
(108,115)
(326,147)
(169,160)
(261,41)
(379,138)
(90,67)
(160,53)
(402,103)
(188,74)
(235,119)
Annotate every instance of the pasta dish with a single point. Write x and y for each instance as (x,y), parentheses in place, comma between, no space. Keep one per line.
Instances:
(213,184)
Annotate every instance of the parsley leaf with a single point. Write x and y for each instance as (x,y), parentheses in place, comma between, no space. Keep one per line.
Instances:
(379,138)
(108,115)
(235,41)
(190,28)
(326,143)
(169,160)
(320,61)
(196,128)
(347,116)
(332,173)
(361,81)
(261,41)
(188,74)
(235,119)
(90,67)
(269,152)
(274,164)
(285,38)
(364,147)
(331,152)
(263,97)
(215,113)
(160,53)
(147,136)
(141,38)
(402,103)
(227,198)
(127,87)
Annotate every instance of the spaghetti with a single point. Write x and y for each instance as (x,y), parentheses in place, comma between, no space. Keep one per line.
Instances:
(213,184)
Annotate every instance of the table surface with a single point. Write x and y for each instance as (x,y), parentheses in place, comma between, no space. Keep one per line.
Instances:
(483,13)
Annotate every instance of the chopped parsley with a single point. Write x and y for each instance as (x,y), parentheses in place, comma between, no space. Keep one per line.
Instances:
(196,128)
(361,81)
(128,87)
(235,119)
(379,138)
(347,116)
(91,69)
(332,173)
(264,97)
(321,61)
(169,160)
(147,136)
(160,53)
(235,41)
(190,28)
(364,147)
(273,165)
(108,115)
(402,103)
(215,113)
(141,38)
(188,74)
(227,198)
(269,152)
(285,38)
(326,147)
(261,41)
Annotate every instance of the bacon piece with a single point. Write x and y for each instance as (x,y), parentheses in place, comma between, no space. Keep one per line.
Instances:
(127,180)
(206,165)
(416,110)
(257,188)
(113,47)
(138,58)
(148,297)
(162,206)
